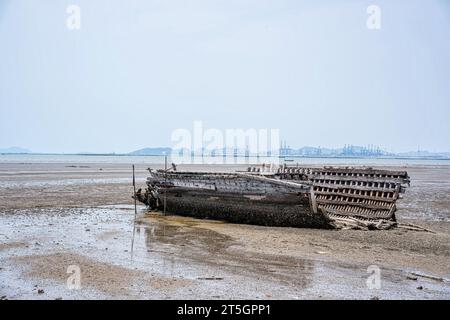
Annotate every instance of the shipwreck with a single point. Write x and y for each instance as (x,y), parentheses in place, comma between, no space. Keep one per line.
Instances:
(292,196)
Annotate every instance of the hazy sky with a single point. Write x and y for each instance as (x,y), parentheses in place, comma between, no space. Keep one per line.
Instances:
(137,70)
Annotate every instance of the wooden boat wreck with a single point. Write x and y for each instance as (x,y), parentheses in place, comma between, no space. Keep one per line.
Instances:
(328,197)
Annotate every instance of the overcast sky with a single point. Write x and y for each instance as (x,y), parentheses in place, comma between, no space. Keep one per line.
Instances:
(137,70)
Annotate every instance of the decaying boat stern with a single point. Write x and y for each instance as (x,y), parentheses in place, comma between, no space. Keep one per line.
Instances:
(328,197)
(353,197)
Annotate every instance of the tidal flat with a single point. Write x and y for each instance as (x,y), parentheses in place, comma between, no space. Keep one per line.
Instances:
(57,216)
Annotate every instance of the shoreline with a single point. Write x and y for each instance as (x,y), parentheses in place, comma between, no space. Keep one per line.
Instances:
(345,157)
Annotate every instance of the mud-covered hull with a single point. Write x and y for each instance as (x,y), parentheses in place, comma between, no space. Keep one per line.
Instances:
(280,211)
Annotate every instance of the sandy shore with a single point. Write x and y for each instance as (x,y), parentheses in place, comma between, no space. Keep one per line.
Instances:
(53,216)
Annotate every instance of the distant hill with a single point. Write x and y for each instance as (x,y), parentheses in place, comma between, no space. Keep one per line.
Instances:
(14,150)
(151,152)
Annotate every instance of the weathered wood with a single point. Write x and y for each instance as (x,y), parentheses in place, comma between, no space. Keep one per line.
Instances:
(292,196)
(356,181)
(348,211)
(356,196)
(356,204)
(363,191)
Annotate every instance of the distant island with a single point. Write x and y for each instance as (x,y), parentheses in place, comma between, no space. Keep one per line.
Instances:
(14,150)
(151,152)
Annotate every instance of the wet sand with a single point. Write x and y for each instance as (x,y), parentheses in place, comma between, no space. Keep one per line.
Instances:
(53,216)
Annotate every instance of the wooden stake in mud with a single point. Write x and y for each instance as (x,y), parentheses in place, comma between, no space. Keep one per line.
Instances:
(165,182)
(135,214)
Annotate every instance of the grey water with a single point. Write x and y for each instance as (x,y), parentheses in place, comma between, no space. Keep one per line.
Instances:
(127,159)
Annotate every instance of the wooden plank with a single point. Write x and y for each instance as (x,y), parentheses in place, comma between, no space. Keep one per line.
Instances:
(358,179)
(355,196)
(340,187)
(363,171)
(365,214)
(387,206)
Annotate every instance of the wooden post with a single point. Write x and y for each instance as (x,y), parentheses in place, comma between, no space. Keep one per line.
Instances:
(135,213)
(165,182)
(313,199)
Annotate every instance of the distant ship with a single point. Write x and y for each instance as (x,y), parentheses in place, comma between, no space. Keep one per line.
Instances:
(289,196)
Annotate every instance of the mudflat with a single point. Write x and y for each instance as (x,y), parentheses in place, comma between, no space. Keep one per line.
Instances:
(59,217)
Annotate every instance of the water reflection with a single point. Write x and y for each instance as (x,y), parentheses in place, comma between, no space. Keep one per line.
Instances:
(190,240)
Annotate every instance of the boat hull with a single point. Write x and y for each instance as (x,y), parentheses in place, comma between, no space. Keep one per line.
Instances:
(290,197)
(282,211)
